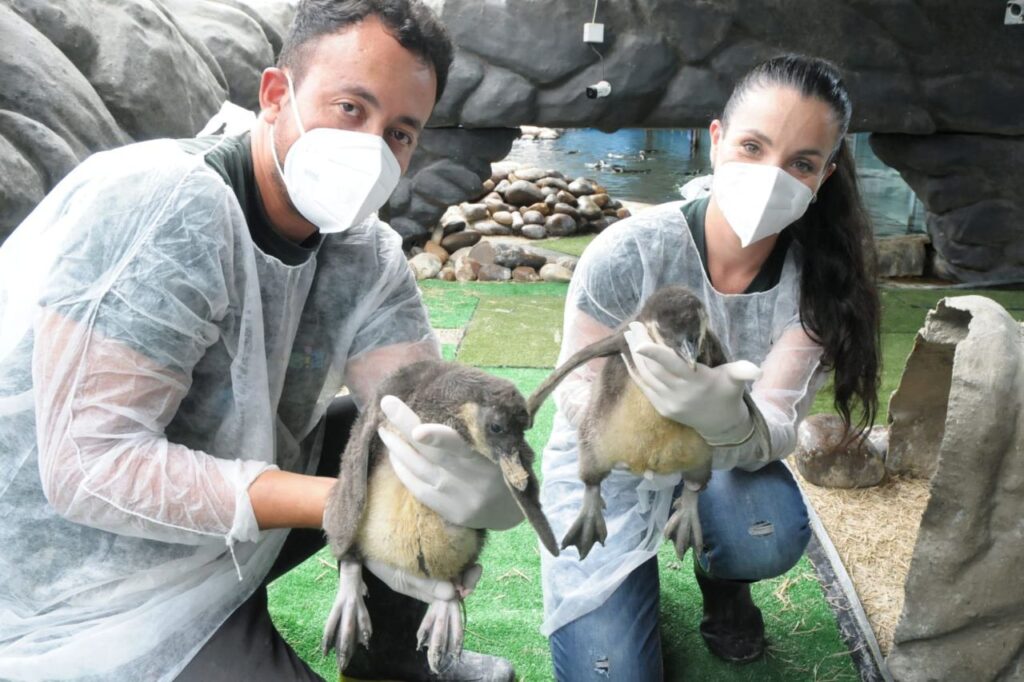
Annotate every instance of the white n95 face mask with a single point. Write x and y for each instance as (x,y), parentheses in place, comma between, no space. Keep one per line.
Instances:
(336,178)
(758,200)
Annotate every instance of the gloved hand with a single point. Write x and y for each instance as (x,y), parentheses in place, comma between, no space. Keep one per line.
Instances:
(425,589)
(443,472)
(708,399)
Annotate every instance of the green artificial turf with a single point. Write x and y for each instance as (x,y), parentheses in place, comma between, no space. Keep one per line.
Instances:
(513,330)
(524,331)
(572,246)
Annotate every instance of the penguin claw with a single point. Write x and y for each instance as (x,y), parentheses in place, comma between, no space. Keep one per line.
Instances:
(684,525)
(347,623)
(442,631)
(589,526)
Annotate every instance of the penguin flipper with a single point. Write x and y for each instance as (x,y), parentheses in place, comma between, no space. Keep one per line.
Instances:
(610,345)
(346,501)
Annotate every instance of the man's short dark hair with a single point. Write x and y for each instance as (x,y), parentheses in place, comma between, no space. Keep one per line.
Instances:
(412,23)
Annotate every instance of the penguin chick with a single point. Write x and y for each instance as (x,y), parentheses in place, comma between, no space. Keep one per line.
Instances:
(371,515)
(620,427)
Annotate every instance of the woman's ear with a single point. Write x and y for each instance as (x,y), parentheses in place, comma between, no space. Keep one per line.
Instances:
(716,129)
(831,169)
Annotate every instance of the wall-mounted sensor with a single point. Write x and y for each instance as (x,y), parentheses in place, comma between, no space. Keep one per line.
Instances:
(1014,12)
(593,33)
(602,89)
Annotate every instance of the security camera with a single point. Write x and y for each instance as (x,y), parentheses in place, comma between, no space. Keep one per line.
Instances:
(602,89)
(1014,12)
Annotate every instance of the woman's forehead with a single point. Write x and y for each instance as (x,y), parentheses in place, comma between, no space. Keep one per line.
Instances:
(786,117)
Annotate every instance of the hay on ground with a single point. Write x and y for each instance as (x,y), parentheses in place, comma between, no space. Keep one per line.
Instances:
(874,530)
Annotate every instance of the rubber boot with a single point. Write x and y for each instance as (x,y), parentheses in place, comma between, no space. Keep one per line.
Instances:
(732,626)
(393,655)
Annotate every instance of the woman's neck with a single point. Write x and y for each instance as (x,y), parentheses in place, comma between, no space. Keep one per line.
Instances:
(730,266)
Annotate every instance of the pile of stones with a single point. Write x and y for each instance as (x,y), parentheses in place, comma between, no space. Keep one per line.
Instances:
(524,202)
(491,261)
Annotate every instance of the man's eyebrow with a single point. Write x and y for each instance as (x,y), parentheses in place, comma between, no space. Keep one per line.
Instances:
(768,141)
(372,100)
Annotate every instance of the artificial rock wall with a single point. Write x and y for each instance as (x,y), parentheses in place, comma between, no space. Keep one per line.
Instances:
(958,417)
(939,82)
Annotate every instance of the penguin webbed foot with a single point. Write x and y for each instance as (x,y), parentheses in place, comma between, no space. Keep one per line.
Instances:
(348,621)
(589,526)
(683,527)
(442,631)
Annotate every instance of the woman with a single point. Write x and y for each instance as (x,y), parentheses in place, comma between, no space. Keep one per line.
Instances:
(778,255)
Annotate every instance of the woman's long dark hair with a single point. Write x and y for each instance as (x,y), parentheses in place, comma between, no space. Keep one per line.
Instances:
(839,304)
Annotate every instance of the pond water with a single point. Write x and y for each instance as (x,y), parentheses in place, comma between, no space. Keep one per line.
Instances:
(650,165)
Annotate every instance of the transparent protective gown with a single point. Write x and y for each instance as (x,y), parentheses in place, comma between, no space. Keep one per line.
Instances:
(618,271)
(153,363)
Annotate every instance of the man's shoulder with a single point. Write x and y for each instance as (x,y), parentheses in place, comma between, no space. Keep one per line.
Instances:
(143,167)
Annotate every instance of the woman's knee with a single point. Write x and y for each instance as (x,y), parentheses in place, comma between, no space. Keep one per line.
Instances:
(758,525)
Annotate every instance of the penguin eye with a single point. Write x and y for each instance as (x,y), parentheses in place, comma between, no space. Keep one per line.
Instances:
(495,428)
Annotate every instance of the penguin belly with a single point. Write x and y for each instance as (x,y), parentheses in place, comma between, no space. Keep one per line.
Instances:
(637,436)
(400,531)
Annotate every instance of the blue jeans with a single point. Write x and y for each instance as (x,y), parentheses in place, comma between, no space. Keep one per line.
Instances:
(755,526)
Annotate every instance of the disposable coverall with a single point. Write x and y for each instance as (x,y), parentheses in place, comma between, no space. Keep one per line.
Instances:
(153,363)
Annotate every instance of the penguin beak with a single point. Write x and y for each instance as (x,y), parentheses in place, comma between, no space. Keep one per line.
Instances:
(513,470)
(688,351)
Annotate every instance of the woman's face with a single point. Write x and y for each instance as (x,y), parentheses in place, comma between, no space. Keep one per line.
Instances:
(779,126)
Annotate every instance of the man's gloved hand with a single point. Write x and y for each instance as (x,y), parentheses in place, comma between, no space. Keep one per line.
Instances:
(443,472)
(708,399)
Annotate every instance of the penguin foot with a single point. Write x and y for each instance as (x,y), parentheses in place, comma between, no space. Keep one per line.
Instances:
(683,527)
(441,631)
(349,621)
(589,526)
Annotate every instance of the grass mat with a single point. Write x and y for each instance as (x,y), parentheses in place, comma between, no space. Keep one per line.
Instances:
(572,246)
(520,332)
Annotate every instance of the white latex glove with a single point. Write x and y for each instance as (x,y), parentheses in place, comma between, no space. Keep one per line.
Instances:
(443,472)
(708,399)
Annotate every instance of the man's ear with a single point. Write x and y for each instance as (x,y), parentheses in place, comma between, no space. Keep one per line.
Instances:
(273,93)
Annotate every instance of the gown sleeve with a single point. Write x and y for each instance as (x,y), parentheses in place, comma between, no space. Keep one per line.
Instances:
(128,309)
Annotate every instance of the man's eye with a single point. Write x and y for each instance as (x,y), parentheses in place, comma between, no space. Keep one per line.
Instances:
(402,137)
(349,108)
(750,147)
(495,428)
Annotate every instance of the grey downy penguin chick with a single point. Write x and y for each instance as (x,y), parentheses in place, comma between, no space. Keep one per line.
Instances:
(620,427)
(371,515)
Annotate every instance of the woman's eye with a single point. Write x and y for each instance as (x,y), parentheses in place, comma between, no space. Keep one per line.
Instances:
(495,428)
(804,167)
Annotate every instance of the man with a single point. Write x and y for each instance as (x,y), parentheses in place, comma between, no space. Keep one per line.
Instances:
(175,319)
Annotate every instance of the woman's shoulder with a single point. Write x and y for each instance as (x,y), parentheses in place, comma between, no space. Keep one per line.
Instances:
(653,228)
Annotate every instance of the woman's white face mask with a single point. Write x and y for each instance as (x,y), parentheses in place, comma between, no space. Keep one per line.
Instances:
(336,178)
(758,200)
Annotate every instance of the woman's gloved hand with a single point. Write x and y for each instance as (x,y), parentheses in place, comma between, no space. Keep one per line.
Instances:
(708,399)
(443,472)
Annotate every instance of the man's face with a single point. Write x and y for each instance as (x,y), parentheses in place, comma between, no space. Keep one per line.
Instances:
(358,79)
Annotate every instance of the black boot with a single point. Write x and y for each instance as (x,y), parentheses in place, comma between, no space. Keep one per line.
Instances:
(393,655)
(732,627)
